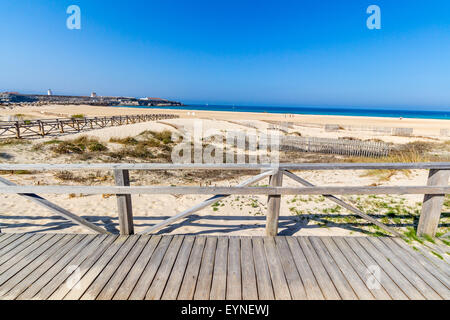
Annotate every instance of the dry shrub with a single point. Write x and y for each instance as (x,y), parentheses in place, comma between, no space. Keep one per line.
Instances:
(78,146)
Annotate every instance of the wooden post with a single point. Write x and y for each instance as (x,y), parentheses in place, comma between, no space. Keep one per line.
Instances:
(432,204)
(41,128)
(17,125)
(273,205)
(122,178)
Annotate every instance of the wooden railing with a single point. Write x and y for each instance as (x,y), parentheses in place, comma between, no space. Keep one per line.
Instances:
(42,127)
(435,190)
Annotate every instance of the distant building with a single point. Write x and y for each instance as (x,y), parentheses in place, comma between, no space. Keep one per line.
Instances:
(93,95)
(49,92)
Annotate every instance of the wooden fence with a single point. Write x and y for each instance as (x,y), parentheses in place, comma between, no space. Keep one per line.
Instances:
(336,146)
(44,127)
(435,190)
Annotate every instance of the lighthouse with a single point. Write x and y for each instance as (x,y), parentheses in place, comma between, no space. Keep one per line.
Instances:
(49,92)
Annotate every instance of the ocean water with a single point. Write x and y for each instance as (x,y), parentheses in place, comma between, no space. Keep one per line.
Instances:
(338,111)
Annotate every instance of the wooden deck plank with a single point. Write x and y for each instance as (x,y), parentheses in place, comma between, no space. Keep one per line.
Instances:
(406,270)
(4,236)
(249,286)
(279,283)
(189,281)
(89,277)
(133,276)
(234,281)
(440,263)
(52,273)
(427,264)
(401,281)
(73,274)
(204,281)
(293,278)
(159,282)
(359,287)
(70,266)
(8,243)
(429,278)
(16,245)
(340,282)
(312,288)
(27,276)
(263,280)
(219,280)
(26,256)
(122,271)
(443,252)
(66,272)
(102,279)
(176,276)
(26,265)
(394,291)
(8,238)
(358,264)
(144,282)
(321,275)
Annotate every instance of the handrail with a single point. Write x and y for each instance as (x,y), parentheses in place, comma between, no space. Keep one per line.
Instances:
(231,166)
(58,189)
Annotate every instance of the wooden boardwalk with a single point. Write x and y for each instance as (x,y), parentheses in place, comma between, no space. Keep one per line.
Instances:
(81,266)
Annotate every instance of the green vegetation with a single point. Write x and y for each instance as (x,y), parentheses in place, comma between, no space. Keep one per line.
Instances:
(392,211)
(147,146)
(125,141)
(437,255)
(77,116)
(78,146)
(13,141)
(98,176)
(417,151)
(16,172)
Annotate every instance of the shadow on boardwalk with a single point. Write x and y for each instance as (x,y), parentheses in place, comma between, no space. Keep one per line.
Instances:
(210,223)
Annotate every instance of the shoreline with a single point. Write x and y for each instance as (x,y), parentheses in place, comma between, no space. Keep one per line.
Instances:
(285,110)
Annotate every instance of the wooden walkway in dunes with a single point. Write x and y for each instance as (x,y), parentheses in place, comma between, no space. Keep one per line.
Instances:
(81,266)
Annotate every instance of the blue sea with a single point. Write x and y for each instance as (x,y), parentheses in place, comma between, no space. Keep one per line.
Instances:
(338,111)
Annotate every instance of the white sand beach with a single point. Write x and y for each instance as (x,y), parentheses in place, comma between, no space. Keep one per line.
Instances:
(233,216)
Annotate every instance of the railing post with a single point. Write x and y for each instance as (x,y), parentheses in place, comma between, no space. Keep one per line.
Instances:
(122,178)
(432,204)
(41,128)
(17,125)
(273,205)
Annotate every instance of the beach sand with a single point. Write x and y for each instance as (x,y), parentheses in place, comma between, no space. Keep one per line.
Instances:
(233,216)
(422,127)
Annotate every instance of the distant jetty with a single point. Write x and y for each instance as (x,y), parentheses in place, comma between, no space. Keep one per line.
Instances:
(16,98)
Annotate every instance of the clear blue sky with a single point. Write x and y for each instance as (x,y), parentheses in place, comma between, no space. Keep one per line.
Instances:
(248,52)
